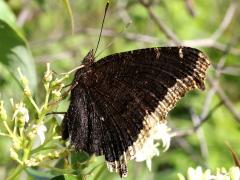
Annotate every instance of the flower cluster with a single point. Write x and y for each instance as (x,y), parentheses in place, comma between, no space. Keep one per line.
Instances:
(36,160)
(32,142)
(222,174)
(149,150)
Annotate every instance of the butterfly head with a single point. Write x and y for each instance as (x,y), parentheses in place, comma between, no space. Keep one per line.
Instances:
(89,58)
(83,73)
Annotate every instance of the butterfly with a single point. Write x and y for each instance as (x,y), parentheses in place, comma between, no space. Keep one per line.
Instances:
(116,101)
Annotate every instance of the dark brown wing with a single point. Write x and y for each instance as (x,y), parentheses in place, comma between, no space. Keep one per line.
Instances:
(124,95)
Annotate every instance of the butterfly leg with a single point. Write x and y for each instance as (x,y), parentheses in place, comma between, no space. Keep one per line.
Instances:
(65,94)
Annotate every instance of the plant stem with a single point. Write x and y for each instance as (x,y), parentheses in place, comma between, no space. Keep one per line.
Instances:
(34,104)
(42,148)
(27,151)
(8,129)
(16,172)
(4,134)
(47,96)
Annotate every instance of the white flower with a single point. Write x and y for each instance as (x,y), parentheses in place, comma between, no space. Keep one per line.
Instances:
(221,174)
(21,113)
(31,162)
(234,172)
(147,152)
(149,149)
(3,112)
(161,132)
(40,132)
(48,76)
(13,154)
(195,174)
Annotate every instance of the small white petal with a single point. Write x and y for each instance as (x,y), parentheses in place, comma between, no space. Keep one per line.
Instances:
(40,132)
(21,112)
(149,149)
(221,174)
(191,173)
(234,173)
(199,173)
(207,174)
(146,152)
(24,113)
(161,132)
(149,164)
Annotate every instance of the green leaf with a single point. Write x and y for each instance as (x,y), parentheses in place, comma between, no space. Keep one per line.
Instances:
(65,177)
(79,158)
(37,174)
(7,15)
(14,53)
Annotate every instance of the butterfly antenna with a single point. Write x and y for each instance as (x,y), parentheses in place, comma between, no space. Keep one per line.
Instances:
(118,34)
(100,34)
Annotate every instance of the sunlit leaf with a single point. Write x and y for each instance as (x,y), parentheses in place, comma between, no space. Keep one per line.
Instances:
(8,16)
(14,53)
(37,174)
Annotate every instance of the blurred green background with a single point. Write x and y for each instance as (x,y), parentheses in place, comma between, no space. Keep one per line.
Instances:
(34,32)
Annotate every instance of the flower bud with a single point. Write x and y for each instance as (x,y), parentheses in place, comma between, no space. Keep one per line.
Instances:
(21,114)
(56,154)
(56,94)
(13,154)
(59,81)
(31,162)
(48,74)
(27,91)
(41,132)
(3,113)
(33,132)
(25,83)
(23,78)
(16,145)
(40,158)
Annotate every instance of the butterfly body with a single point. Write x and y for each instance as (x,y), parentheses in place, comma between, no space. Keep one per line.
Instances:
(120,98)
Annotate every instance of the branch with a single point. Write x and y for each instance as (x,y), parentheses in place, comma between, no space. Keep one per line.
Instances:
(190,7)
(202,120)
(160,24)
(226,20)
(139,38)
(229,105)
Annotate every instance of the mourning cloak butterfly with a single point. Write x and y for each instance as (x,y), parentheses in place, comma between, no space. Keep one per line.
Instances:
(117,100)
